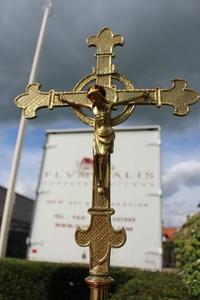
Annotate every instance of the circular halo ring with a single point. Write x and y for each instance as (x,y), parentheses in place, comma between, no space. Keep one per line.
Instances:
(114,121)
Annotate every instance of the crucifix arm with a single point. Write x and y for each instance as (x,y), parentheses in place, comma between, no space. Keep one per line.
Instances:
(76,99)
(34,99)
(179,96)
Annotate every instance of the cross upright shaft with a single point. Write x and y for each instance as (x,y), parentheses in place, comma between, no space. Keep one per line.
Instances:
(105,41)
(102,98)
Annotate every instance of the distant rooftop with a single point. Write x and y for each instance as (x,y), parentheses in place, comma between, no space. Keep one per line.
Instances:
(169,232)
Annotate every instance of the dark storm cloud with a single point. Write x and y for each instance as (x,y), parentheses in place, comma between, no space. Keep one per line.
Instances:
(17,36)
(161,43)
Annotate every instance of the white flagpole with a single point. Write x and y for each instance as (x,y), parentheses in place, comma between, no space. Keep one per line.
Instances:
(9,200)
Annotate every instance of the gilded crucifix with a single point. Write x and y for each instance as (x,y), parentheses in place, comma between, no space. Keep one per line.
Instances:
(97,92)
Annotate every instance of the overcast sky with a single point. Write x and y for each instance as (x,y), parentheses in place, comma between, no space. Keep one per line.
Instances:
(162,42)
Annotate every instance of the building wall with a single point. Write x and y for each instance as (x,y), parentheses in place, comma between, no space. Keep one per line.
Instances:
(20,225)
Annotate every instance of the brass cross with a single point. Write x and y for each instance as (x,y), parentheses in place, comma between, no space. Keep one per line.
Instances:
(102,98)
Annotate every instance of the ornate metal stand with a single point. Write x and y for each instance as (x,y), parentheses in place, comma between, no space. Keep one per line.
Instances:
(102,98)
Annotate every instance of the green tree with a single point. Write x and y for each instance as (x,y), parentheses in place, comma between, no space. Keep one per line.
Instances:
(187,250)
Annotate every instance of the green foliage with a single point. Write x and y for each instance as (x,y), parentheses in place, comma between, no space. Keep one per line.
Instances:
(25,280)
(187,249)
(152,286)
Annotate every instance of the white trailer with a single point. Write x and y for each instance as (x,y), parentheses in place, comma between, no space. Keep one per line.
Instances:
(65,193)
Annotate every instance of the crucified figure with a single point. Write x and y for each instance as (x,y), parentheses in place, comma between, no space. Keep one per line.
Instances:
(104,134)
